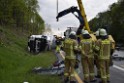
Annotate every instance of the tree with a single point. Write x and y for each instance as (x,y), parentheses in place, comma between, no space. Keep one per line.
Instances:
(113,19)
(21,14)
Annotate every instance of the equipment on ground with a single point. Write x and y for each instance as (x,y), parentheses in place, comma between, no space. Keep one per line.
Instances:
(57,68)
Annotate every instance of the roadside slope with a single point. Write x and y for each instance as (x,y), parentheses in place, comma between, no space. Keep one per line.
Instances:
(16,62)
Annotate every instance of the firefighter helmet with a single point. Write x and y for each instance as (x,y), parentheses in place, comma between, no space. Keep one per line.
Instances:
(73,33)
(102,32)
(97,33)
(82,31)
(85,32)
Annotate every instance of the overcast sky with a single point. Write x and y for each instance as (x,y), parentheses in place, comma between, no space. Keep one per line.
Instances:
(48,12)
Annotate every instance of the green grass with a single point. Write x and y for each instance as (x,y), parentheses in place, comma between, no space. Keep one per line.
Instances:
(16,63)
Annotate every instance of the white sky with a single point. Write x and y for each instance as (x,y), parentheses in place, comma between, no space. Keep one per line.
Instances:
(48,12)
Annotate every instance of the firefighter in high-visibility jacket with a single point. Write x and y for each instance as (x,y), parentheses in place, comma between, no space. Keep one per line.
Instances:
(103,47)
(58,44)
(87,57)
(69,46)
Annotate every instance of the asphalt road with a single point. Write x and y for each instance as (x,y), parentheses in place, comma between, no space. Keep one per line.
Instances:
(117,71)
(116,75)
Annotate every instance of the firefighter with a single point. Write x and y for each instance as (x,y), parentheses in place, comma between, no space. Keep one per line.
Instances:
(69,46)
(103,47)
(87,57)
(58,44)
(112,44)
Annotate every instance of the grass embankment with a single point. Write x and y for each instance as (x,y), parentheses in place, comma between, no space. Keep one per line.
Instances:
(16,63)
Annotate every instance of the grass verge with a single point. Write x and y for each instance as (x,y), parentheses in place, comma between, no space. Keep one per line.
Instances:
(16,63)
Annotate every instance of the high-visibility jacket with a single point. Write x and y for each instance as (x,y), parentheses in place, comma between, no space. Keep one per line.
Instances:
(86,47)
(112,41)
(104,47)
(69,46)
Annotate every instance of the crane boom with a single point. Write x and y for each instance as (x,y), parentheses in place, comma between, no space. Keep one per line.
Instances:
(83,14)
(72,10)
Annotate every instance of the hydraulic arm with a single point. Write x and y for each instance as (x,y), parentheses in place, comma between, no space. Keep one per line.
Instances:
(83,14)
(71,10)
(79,17)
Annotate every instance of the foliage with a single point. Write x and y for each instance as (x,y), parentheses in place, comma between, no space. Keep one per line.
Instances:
(22,14)
(112,20)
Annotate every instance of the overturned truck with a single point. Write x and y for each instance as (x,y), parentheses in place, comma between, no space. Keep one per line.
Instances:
(37,43)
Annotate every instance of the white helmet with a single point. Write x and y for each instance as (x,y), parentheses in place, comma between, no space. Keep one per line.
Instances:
(82,31)
(97,33)
(85,32)
(72,33)
(102,32)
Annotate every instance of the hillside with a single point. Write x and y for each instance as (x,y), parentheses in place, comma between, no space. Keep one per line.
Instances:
(16,62)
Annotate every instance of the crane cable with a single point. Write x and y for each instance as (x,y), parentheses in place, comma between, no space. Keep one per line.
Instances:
(57,5)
